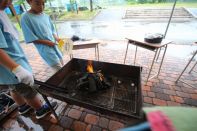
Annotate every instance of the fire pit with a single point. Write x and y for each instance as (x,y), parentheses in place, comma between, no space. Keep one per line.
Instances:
(100,86)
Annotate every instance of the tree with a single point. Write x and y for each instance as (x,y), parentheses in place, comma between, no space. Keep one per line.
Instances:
(159,1)
(73,3)
(91,5)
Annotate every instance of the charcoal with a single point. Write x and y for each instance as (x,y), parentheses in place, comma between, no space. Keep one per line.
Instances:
(92,82)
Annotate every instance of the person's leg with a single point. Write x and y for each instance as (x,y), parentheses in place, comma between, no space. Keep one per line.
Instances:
(18,92)
(31,98)
(34,102)
(25,104)
(17,98)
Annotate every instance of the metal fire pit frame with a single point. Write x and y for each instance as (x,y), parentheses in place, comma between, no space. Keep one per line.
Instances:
(58,77)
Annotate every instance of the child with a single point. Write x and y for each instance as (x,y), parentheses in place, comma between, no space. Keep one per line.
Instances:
(38,29)
(15,69)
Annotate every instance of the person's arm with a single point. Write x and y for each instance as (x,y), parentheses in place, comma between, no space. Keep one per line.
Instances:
(6,61)
(23,75)
(54,31)
(56,37)
(45,42)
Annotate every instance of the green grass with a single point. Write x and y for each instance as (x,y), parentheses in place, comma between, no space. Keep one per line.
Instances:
(82,15)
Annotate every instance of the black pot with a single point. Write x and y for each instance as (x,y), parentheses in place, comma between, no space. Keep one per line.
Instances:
(153,38)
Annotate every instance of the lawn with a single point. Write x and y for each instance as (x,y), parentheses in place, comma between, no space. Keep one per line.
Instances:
(81,15)
(64,15)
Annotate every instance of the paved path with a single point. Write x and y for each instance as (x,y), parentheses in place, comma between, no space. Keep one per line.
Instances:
(110,15)
(109,25)
(161,91)
(193,11)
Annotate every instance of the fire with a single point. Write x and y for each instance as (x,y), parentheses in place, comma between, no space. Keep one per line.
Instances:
(90,67)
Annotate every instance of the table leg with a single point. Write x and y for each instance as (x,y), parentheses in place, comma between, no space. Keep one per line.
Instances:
(193,67)
(162,59)
(186,66)
(158,54)
(126,52)
(153,61)
(97,51)
(135,54)
(71,56)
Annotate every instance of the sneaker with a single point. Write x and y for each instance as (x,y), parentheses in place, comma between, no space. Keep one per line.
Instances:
(44,110)
(24,109)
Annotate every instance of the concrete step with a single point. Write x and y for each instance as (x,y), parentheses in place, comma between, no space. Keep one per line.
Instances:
(179,14)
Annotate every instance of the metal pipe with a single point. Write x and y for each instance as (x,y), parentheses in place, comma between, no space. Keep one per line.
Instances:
(169,21)
(162,58)
(126,52)
(193,67)
(52,87)
(186,67)
(151,66)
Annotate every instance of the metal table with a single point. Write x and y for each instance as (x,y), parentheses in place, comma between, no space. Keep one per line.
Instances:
(87,44)
(156,47)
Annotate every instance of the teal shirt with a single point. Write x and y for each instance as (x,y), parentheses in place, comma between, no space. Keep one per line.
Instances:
(11,46)
(37,27)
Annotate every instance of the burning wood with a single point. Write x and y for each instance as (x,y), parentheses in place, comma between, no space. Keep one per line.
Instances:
(92,81)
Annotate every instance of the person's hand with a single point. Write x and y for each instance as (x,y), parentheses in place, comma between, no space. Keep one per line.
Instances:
(58,39)
(50,43)
(23,75)
(65,46)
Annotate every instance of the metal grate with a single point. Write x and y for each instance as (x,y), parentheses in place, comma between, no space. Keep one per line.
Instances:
(120,97)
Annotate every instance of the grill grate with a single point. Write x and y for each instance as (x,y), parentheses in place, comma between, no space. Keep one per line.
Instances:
(121,96)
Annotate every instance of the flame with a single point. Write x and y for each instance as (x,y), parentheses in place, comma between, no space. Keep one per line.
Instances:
(90,67)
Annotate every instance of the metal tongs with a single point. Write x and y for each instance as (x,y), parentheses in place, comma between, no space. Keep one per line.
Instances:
(52,87)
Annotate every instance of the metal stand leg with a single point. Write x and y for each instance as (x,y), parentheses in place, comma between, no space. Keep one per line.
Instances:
(162,58)
(135,54)
(49,104)
(186,66)
(151,66)
(193,67)
(126,52)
